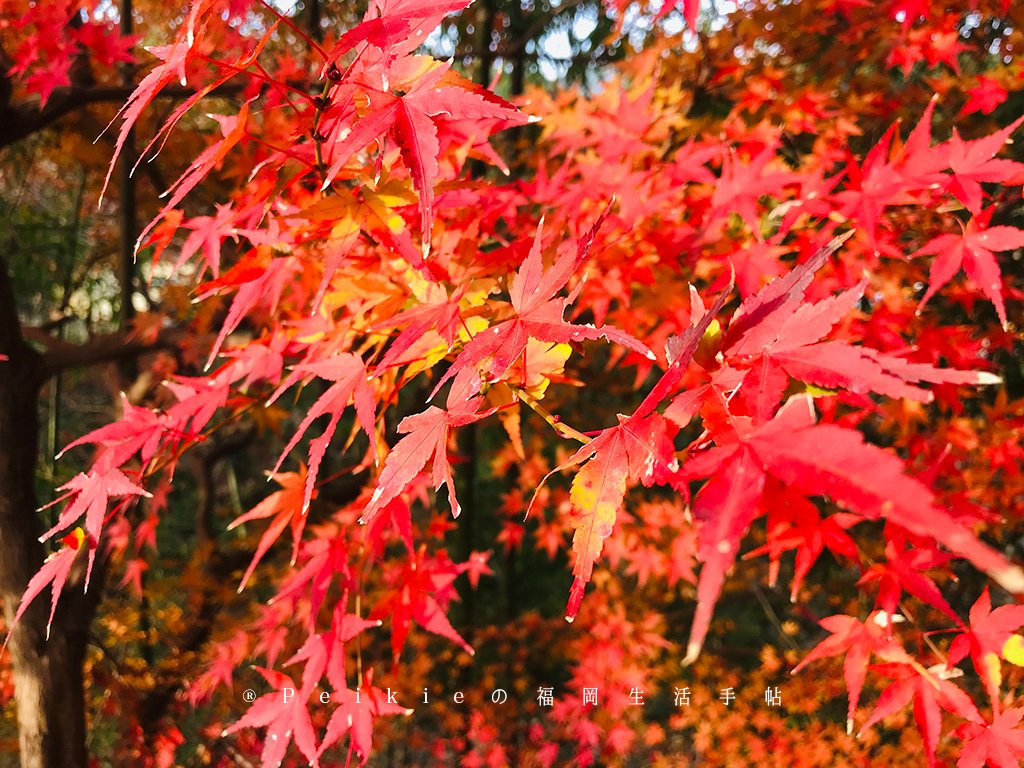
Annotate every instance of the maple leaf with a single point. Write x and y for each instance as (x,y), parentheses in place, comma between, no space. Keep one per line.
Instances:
(199,398)
(476,566)
(174,58)
(324,652)
(326,559)
(412,119)
(988,94)
(984,640)
(355,716)
(233,130)
(350,386)
(920,163)
(787,339)
(394,26)
(92,492)
(228,656)
(930,692)
(257,277)
(973,162)
(596,494)
(139,430)
(45,80)
(638,449)
(285,720)
(794,523)
(441,316)
(206,237)
(54,571)
(725,506)
(999,744)
(421,588)
(538,314)
(133,571)
(396,517)
(171,69)
(826,459)
(288,506)
(975,251)
(857,641)
(903,570)
(818,459)
(872,187)
(105,44)
(741,184)
(426,437)
(777,300)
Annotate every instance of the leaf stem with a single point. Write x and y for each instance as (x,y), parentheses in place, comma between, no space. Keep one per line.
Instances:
(563,429)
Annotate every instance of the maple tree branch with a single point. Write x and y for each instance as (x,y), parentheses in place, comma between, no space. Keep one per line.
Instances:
(106,348)
(19,121)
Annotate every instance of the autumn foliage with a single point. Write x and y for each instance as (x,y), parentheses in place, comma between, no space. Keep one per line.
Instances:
(737,320)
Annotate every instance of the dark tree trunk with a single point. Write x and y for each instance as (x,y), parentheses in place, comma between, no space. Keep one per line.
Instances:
(485,17)
(49,692)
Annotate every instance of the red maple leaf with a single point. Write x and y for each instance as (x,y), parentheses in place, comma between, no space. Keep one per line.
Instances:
(795,523)
(45,80)
(324,652)
(92,492)
(856,641)
(441,314)
(984,640)
(816,460)
(988,94)
(54,571)
(350,386)
(638,449)
(412,118)
(973,162)
(139,430)
(999,744)
(827,459)
(105,44)
(538,314)
(288,507)
(741,184)
(725,507)
(930,692)
(285,718)
(394,26)
(171,69)
(872,187)
(426,437)
(975,251)
(421,587)
(789,339)
(355,716)
(903,570)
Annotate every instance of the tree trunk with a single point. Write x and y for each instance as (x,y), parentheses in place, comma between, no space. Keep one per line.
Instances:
(48,675)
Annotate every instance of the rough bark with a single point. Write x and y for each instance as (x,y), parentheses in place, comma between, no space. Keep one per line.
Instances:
(48,681)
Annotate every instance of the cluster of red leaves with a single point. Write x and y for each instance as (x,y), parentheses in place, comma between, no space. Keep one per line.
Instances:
(46,53)
(364,260)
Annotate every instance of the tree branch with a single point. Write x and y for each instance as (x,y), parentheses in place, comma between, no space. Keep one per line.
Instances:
(107,348)
(18,121)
